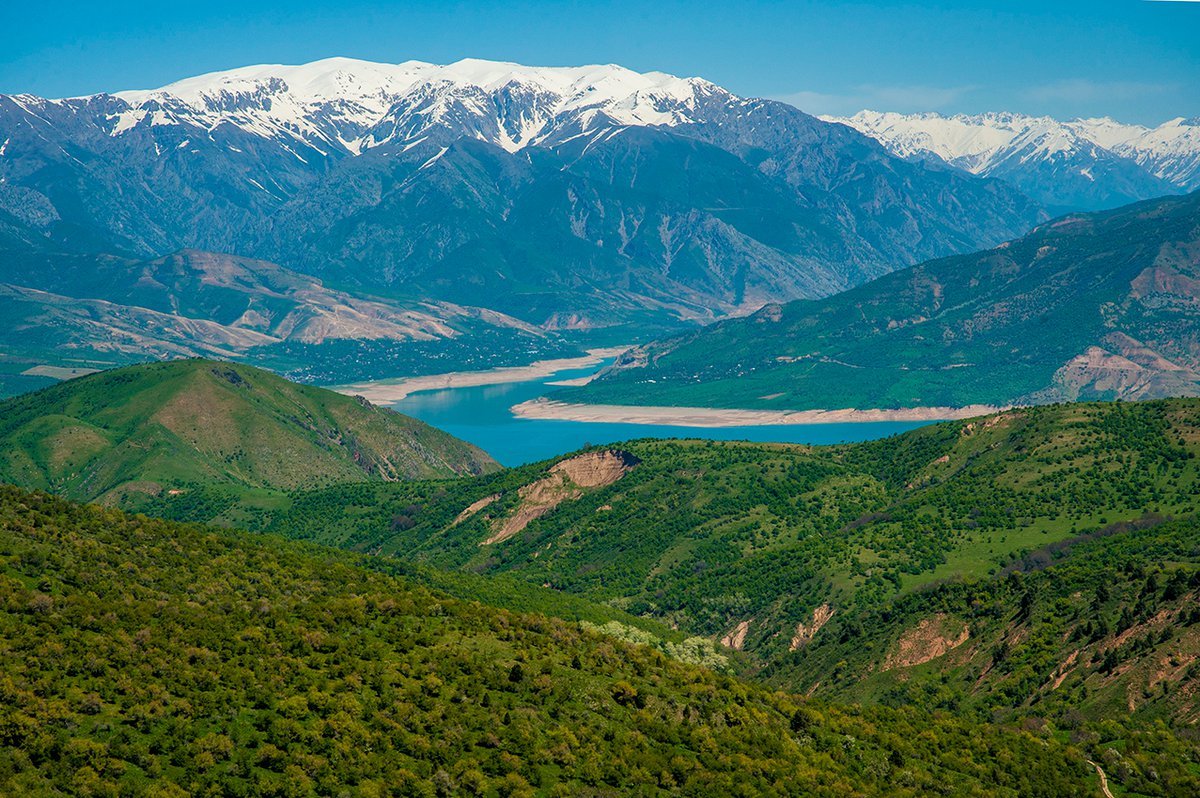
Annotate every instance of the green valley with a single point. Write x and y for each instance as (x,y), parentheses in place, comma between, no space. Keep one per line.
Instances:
(707,536)
(1034,569)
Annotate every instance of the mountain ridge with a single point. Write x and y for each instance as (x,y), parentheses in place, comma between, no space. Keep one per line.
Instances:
(1089,306)
(595,194)
(622,95)
(1078,164)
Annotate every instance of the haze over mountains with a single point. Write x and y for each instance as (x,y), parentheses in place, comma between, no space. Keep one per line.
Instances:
(1090,306)
(566,197)
(1081,164)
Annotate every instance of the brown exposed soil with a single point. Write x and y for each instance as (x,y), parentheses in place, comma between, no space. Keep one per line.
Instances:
(928,640)
(474,508)
(1127,368)
(1170,274)
(1064,670)
(737,636)
(806,632)
(999,420)
(566,481)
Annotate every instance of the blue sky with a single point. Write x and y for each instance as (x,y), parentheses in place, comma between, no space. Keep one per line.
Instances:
(1135,60)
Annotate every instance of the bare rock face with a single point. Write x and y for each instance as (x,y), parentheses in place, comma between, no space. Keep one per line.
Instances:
(928,640)
(566,481)
(1127,368)
(596,469)
(806,632)
(474,507)
(736,638)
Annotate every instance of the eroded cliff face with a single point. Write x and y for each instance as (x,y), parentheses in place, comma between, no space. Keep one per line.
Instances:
(566,481)
(928,640)
(806,631)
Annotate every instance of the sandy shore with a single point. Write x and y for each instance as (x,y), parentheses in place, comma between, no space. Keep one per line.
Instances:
(714,417)
(385,391)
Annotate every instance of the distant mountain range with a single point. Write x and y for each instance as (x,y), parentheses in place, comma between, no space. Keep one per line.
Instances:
(1082,164)
(1090,306)
(564,197)
(194,303)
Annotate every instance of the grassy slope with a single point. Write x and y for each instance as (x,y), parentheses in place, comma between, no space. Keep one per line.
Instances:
(704,535)
(147,658)
(127,433)
(994,327)
(1103,626)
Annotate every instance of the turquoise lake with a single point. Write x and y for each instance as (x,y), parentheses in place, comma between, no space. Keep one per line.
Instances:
(480,414)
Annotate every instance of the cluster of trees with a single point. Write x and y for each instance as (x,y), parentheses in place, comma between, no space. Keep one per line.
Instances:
(702,535)
(144,657)
(1095,642)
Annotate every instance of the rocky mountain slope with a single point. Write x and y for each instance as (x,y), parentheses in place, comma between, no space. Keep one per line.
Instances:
(1090,306)
(194,303)
(1082,164)
(573,197)
(125,435)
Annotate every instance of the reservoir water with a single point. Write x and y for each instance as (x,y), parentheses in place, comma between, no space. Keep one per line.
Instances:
(480,414)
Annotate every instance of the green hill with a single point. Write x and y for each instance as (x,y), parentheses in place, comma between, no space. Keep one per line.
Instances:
(1039,566)
(1105,625)
(749,541)
(147,658)
(1091,306)
(124,435)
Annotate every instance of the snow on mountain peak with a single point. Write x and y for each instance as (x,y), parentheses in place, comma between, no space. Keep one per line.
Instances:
(991,143)
(342,99)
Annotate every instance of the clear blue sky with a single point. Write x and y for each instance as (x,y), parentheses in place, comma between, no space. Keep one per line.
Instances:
(1135,60)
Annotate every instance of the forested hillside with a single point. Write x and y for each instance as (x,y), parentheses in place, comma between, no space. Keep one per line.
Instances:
(751,540)
(148,658)
(1105,625)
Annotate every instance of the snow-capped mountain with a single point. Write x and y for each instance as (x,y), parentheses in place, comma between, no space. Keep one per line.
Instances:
(357,105)
(563,196)
(1171,150)
(1077,164)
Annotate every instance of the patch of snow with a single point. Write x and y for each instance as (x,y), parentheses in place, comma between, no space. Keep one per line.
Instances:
(126,120)
(434,159)
(413,143)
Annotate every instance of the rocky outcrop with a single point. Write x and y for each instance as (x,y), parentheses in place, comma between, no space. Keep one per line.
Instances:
(806,631)
(473,508)
(566,481)
(928,640)
(737,636)
(1125,368)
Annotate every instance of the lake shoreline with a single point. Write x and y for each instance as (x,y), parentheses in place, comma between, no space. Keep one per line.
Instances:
(708,417)
(388,391)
